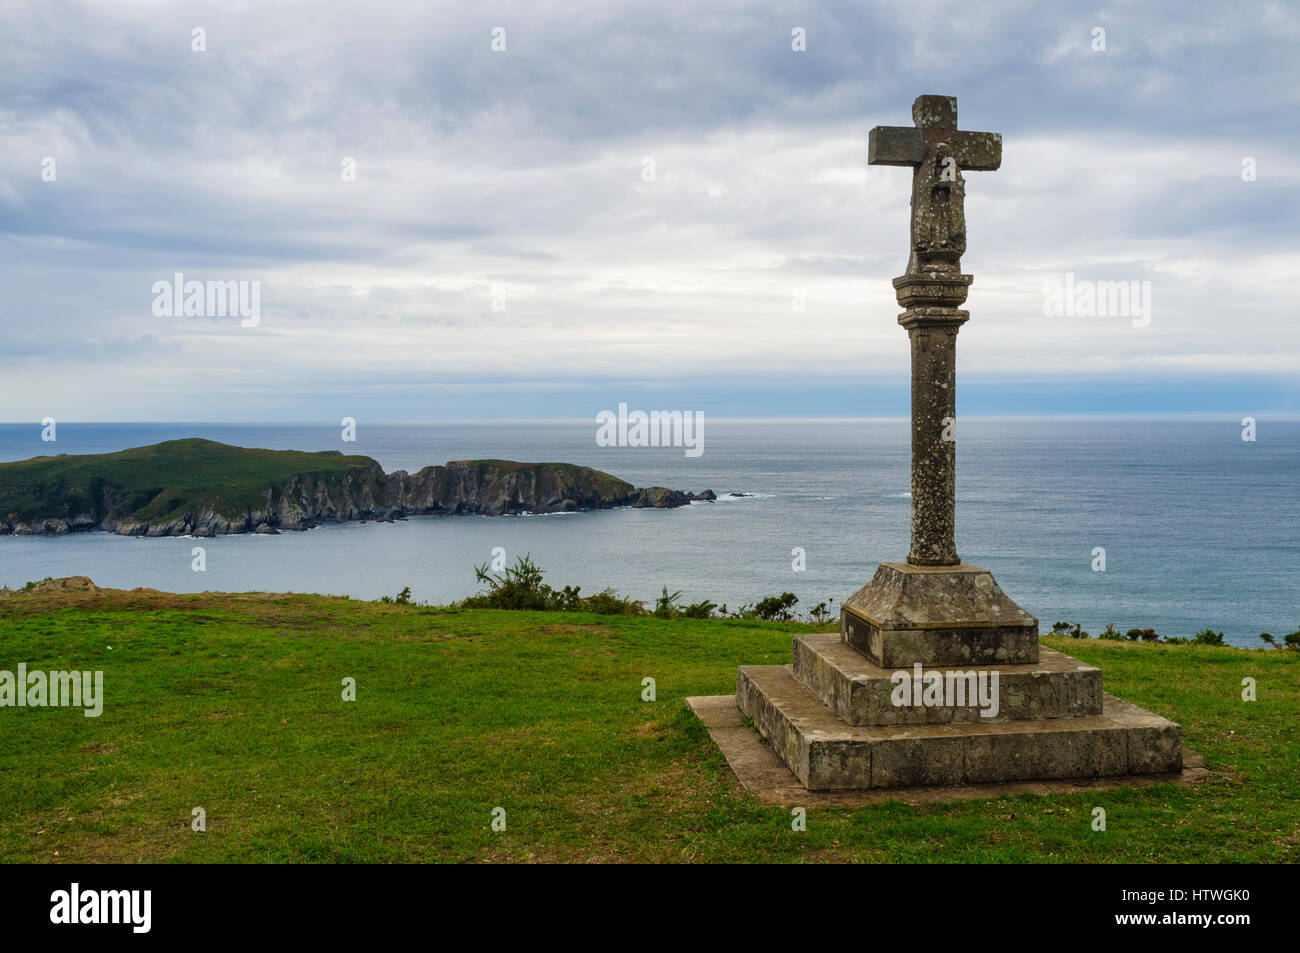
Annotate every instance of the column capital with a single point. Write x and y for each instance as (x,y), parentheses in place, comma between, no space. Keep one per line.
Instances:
(933,289)
(937,318)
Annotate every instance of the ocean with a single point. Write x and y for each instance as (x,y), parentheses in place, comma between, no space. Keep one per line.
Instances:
(1199,527)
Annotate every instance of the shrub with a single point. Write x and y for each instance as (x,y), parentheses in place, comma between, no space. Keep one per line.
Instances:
(1268,639)
(820,613)
(1208,637)
(1150,635)
(403,598)
(521,587)
(609,602)
(666,605)
(701,610)
(776,608)
(568,598)
(1111,633)
(1069,630)
(518,587)
(1133,634)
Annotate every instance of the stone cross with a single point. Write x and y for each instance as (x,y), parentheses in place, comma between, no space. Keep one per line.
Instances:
(931,291)
(827,716)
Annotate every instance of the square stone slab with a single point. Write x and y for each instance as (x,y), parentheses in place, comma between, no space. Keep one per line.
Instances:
(937,615)
(766,778)
(860,692)
(827,754)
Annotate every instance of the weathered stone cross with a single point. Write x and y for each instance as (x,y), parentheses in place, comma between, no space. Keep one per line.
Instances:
(826,716)
(931,291)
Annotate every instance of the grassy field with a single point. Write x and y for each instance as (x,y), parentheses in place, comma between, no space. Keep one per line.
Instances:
(233,703)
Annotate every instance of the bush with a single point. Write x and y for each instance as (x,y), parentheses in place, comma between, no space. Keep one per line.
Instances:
(609,602)
(820,613)
(1133,634)
(666,605)
(568,598)
(1204,637)
(1069,630)
(1111,633)
(521,587)
(776,608)
(403,598)
(1150,635)
(701,610)
(518,587)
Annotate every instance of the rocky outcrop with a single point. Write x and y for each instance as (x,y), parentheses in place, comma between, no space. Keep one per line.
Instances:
(337,490)
(62,584)
(496,487)
(660,498)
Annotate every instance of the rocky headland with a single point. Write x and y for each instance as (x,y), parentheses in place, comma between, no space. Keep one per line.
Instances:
(198,487)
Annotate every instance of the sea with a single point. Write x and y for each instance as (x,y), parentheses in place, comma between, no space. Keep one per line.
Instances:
(1170,523)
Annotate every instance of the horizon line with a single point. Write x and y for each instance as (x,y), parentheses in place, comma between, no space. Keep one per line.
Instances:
(396,422)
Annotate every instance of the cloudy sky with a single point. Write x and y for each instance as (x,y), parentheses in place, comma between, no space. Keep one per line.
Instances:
(504,250)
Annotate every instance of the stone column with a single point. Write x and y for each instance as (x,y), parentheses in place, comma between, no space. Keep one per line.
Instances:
(933,458)
(932,320)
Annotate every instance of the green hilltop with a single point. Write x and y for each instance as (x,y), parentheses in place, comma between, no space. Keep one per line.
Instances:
(234,702)
(160,480)
(204,488)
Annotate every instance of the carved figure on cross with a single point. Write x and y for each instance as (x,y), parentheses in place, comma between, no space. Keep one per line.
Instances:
(938,153)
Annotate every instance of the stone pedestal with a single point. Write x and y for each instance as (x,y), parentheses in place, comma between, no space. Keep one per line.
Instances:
(999,708)
(833,720)
(937,615)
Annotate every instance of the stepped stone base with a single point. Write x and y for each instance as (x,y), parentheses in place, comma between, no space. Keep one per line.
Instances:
(936,679)
(858,690)
(825,753)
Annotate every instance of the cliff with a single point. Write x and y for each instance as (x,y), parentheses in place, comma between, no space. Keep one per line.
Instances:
(203,488)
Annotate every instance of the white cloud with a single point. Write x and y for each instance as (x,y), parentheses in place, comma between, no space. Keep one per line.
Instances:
(523,171)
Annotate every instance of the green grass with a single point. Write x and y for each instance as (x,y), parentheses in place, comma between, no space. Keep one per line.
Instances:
(233,703)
